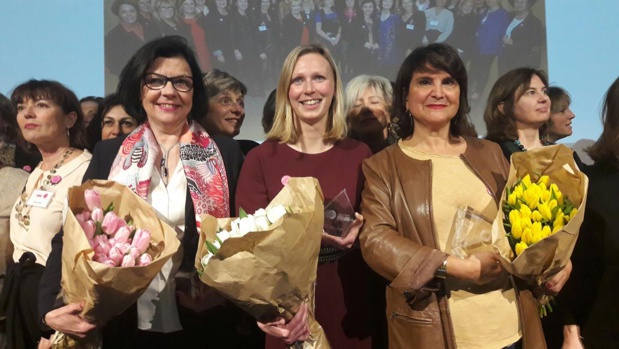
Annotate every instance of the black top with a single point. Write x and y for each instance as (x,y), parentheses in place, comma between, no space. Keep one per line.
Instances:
(589,296)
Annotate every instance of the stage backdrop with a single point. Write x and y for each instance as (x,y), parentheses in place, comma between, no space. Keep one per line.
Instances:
(251,41)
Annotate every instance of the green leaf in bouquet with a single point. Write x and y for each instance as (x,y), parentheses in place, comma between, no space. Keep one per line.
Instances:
(109,208)
(98,228)
(242,213)
(218,240)
(211,248)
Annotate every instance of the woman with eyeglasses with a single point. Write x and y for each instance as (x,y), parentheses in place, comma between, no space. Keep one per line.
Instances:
(168,160)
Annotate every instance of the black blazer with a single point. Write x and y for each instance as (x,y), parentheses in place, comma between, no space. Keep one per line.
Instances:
(99,168)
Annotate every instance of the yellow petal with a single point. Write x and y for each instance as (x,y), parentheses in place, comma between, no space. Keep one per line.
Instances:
(545,211)
(526,180)
(526,235)
(521,246)
(536,216)
(546,232)
(525,211)
(544,180)
(573,213)
(557,228)
(517,230)
(511,199)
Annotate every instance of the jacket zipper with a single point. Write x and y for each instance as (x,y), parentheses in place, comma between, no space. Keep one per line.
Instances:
(399,316)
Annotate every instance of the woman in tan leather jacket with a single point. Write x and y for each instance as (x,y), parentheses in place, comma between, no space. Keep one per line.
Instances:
(412,192)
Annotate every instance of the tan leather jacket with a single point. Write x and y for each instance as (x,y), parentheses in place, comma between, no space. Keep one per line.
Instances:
(399,242)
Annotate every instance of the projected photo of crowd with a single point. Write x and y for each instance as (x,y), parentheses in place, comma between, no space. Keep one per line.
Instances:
(250,38)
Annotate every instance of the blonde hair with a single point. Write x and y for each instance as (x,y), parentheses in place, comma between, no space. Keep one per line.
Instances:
(284,127)
(360,83)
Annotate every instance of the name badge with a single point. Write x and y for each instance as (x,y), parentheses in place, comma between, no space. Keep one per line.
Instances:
(262,28)
(40,198)
(434,23)
(410,26)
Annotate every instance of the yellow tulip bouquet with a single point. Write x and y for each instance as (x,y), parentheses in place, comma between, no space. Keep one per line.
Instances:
(534,211)
(542,210)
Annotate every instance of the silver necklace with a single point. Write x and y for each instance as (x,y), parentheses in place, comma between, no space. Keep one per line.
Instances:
(164,159)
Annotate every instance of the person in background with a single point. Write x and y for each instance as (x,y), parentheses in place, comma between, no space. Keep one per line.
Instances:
(168,20)
(465,28)
(413,27)
(12,180)
(89,107)
(49,116)
(219,27)
(178,162)
(308,139)
(364,48)
(409,202)
(122,40)
(368,105)
(389,56)
(588,302)
(296,27)
(329,28)
(14,150)
(523,39)
(493,20)
(560,123)
(226,111)
(110,121)
(201,8)
(267,34)
(195,21)
(145,16)
(244,44)
(439,22)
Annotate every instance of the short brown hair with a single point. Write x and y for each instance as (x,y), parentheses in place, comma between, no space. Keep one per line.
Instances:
(507,90)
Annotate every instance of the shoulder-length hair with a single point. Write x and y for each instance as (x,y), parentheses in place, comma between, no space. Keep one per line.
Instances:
(63,97)
(606,149)
(131,78)
(284,127)
(432,58)
(507,90)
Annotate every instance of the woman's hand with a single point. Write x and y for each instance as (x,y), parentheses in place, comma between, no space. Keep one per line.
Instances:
(347,241)
(45,343)
(571,337)
(507,41)
(295,330)
(556,283)
(204,298)
(69,320)
(480,268)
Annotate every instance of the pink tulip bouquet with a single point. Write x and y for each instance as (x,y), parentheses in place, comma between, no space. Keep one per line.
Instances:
(114,244)
(115,240)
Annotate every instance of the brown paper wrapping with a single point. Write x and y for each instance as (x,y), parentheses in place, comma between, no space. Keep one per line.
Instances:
(271,273)
(108,291)
(547,257)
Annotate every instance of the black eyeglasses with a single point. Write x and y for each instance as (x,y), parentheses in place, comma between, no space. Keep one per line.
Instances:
(157,82)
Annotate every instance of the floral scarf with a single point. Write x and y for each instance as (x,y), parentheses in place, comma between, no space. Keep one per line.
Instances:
(201,159)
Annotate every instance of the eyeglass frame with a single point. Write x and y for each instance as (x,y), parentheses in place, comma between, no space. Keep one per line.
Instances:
(166,80)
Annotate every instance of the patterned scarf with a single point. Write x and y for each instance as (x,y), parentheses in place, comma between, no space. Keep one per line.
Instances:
(201,159)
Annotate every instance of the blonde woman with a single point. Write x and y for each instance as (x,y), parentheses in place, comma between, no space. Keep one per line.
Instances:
(308,139)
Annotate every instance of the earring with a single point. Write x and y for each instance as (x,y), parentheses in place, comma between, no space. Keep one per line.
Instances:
(408,113)
(68,133)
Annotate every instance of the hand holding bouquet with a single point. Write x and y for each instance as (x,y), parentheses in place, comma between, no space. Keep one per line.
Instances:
(88,254)
(269,272)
